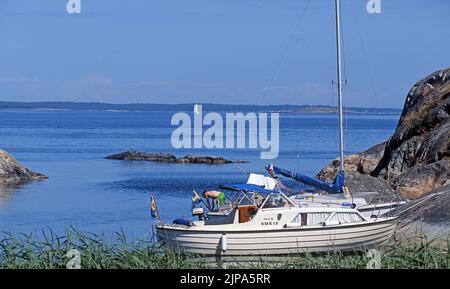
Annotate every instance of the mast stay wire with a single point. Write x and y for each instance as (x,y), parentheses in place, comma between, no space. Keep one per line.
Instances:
(291,39)
(240,168)
(285,50)
(335,124)
(365,56)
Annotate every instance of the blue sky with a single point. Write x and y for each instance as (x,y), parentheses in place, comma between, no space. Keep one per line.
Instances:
(224,51)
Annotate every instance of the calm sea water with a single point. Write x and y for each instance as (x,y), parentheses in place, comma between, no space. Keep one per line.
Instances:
(93,194)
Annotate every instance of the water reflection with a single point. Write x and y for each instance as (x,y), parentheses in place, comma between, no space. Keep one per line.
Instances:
(7,190)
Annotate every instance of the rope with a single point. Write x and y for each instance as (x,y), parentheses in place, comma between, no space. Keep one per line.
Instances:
(420,202)
(240,168)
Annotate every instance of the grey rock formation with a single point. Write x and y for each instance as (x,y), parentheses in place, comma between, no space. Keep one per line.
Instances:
(363,163)
(357,168)
(170,158)
(133,155)
(11,171)
(212,160)
(422,179)
(432,208)
(416,159)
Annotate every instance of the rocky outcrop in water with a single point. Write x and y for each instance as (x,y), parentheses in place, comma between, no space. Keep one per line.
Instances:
(416,159)
(11,171)
(211,160)
(133,155)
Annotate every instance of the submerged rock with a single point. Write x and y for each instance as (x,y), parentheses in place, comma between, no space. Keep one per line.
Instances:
(170,158)
(11,171)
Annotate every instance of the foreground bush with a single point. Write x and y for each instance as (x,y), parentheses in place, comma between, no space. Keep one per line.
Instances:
(50,251)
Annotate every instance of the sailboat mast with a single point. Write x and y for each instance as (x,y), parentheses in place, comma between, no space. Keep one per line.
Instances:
(339,83)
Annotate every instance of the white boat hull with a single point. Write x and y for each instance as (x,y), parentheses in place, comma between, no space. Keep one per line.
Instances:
(351,237)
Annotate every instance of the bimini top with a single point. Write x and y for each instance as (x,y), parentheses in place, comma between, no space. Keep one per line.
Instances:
(247,188)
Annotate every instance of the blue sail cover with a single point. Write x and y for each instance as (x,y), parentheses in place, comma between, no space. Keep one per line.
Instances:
(334,188)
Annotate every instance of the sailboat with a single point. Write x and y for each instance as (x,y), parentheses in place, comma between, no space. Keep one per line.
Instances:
(337,194)
(265,221)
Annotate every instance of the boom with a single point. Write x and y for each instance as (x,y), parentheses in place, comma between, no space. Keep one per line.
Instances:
(334,188)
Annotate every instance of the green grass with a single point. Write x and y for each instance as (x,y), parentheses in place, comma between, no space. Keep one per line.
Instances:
(408,254)
(49,250)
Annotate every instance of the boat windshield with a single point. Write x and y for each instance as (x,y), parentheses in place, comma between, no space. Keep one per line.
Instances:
(254,199)
(276,200)
(235,198)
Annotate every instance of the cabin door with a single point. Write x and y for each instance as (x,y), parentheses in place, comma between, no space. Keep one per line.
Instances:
(246,212)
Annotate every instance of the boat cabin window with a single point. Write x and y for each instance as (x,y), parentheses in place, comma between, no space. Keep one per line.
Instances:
(316,219)
(276,201)
(345,218)
(311,219)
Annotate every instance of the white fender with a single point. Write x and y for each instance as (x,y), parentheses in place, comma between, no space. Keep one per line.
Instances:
(223,243)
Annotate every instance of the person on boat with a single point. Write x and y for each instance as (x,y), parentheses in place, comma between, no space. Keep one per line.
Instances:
(213,197)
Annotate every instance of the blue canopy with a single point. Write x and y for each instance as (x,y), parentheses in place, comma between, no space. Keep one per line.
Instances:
(247,188)
(334,188)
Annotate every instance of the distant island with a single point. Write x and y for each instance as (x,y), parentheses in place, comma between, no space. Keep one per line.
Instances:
(98,106)
(132,155)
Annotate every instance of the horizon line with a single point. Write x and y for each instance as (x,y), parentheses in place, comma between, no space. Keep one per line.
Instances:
(192,103)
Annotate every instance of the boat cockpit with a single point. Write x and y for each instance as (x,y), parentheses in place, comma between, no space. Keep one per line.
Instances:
(243,202)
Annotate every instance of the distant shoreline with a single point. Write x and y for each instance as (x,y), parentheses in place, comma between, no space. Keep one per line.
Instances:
(142,107)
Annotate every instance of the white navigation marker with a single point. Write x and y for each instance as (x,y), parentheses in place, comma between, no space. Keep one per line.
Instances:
(196,109)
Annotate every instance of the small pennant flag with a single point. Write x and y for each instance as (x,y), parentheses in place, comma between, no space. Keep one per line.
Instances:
(196,200)
(153,208)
